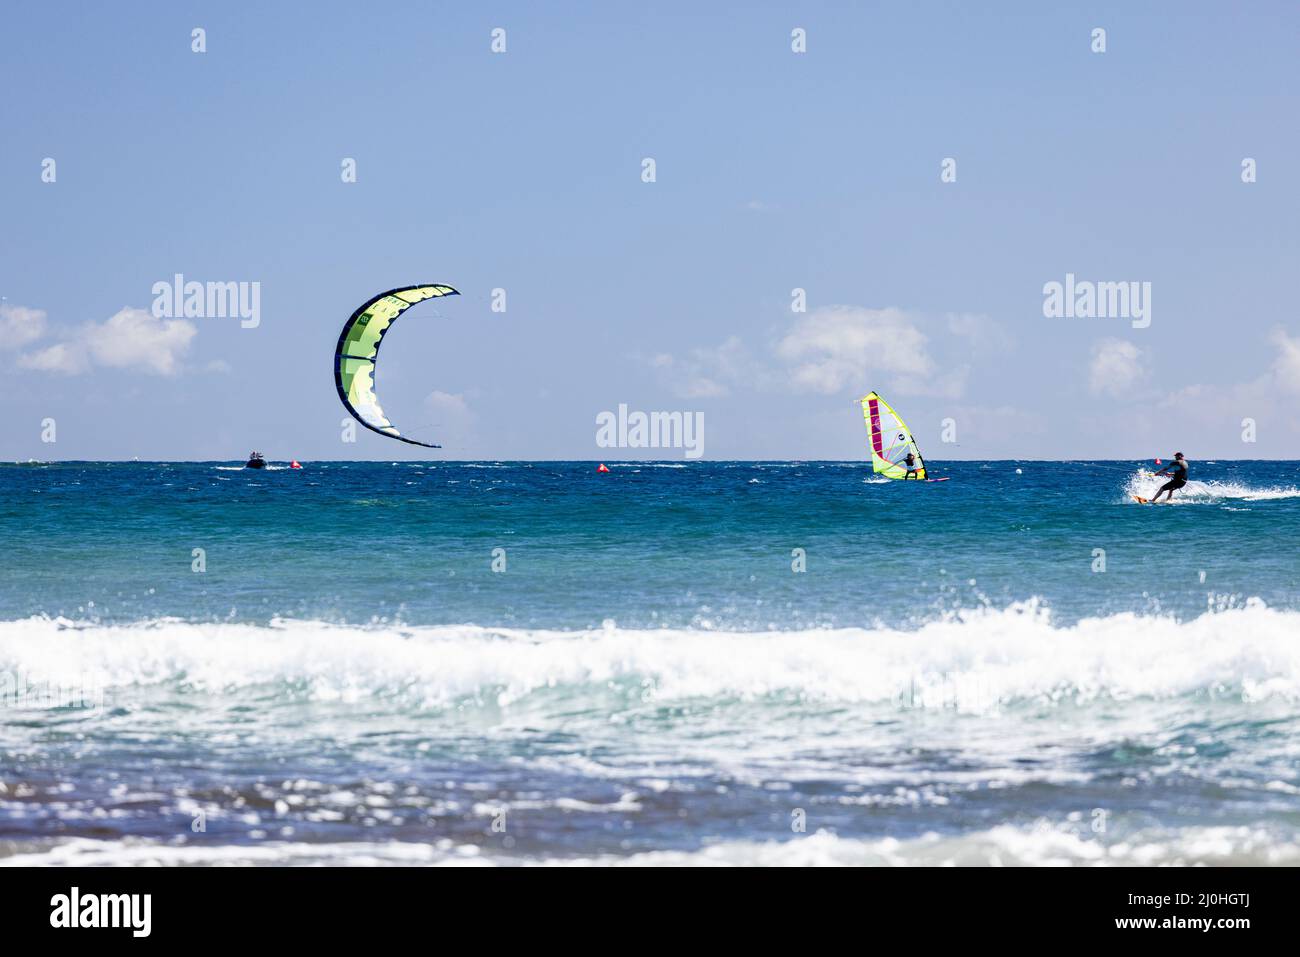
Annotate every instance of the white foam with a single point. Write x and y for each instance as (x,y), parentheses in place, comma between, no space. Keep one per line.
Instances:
(1039,845)
(646,465)
(1196,492)
(974,661)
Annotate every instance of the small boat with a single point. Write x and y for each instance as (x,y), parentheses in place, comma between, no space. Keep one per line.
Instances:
(255,461)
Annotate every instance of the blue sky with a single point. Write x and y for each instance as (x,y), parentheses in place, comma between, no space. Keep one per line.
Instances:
(774,171)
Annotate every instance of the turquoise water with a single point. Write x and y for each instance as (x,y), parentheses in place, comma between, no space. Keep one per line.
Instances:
(649,545)
(1019,664)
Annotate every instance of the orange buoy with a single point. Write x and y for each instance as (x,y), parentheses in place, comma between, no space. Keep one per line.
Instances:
(294,464)
(603,467)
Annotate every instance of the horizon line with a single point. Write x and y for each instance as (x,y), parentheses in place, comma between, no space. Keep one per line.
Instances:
(863,462)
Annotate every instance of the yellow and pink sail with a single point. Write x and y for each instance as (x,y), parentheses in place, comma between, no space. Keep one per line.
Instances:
(890,440)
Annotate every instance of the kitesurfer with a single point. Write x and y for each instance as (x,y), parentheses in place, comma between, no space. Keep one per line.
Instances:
(1177,472)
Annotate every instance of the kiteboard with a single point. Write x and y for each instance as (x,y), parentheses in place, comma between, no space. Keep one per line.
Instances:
(1141,501)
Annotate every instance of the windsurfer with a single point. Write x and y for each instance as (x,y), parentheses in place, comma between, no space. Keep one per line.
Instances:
(893,450)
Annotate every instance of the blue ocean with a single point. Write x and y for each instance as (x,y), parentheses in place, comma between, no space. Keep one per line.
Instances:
(673,662)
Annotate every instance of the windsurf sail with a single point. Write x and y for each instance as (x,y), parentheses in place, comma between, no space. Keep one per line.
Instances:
(358,351)
(890,440)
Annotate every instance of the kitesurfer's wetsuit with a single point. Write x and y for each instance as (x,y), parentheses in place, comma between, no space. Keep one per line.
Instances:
(1179,477)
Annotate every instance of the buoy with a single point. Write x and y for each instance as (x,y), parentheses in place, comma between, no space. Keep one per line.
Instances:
(294,464)
(602,467)
(1157,461)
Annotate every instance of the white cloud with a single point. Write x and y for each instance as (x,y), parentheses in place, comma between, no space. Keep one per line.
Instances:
(452,420)
(64,357)
(136,339)
(20,326)
(839,347)
(982,429)
(708,372)
(827,351)
(130,339)
(981,333)
(701,388)
(1286,369)
(1259,393)
(1115,368)
(447,403)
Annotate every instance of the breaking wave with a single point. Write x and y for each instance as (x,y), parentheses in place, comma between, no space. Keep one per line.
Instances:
(973,661)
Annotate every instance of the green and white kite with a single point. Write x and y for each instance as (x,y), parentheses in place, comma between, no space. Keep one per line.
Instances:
(358,350)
